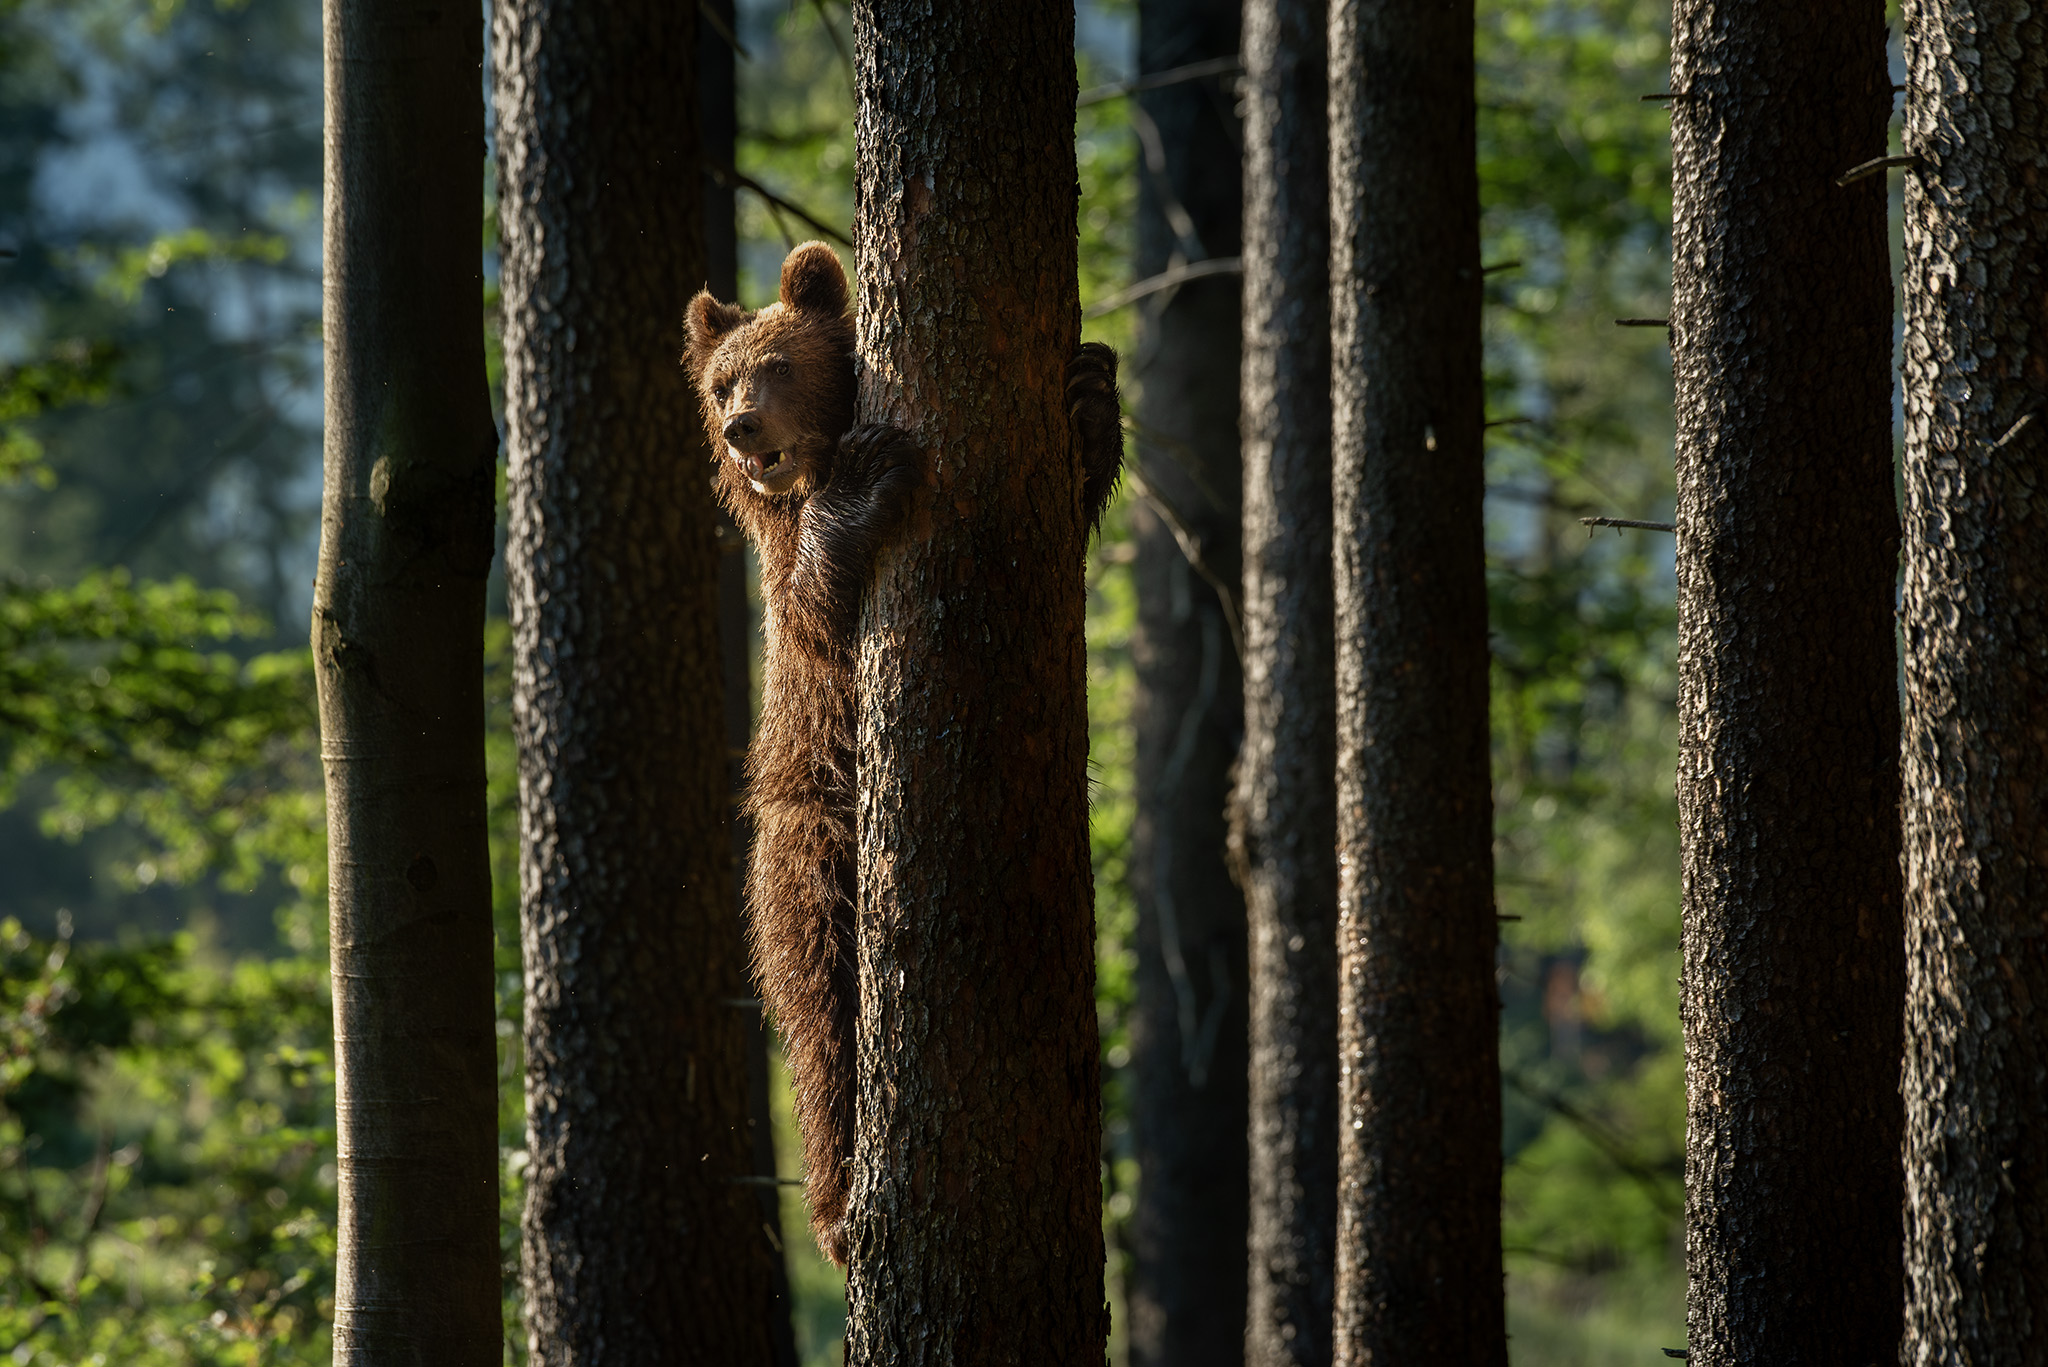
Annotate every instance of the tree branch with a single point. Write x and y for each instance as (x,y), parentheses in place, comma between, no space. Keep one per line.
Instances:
(1193,71)
(1190,544)
(1165,280)
(726,174)
(1655,1181)
(1591,522)
(95,1204)
(1875,166)
(723,30)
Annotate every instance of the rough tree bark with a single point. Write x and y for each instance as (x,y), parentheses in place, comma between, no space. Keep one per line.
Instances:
(1185,1289)
(1788,699)
(640,1240)
(398,619)
(1418,1194)
(1284,820)
(717,95)
(1976,643)
(975,1229)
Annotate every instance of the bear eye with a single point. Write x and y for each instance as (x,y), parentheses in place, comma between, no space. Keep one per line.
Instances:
(782,367)
(719,391)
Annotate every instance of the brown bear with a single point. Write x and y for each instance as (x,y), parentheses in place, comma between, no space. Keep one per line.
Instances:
(820,499)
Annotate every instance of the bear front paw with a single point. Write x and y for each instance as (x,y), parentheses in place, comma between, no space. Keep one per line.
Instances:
(877,472)
(872,449)
(1097,417)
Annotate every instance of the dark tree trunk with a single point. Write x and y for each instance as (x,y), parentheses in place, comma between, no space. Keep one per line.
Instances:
(1788,697)
(642,1240)
(1418,1196)
(1976,634)
(1185,1290)
(1284,819)
(718,131)
(717,106)
(976,1232)
(398,620)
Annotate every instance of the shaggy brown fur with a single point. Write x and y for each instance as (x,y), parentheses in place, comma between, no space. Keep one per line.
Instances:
(820,499)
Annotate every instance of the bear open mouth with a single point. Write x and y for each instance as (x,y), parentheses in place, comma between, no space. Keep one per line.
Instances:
(770,461)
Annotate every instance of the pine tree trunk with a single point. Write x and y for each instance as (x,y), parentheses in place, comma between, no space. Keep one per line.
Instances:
(1976,642)
(398,618)
(642,1239)
(1418,1203)
(1788,703)
(1284,820)
(1185,1289)
(717,104)
(975,1229)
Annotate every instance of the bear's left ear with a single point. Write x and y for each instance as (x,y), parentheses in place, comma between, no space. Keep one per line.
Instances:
(813,281)
(707,322)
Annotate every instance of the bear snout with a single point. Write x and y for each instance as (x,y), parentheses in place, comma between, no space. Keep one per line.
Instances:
(741,427)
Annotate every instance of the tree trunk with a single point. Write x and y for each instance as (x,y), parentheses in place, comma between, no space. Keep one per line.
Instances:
(976,1230)
(398,619)
(1788,703)
(717,95)
(642,1240)
(1284,819)
(1976,641)
(1185,1290)
(1418,1195)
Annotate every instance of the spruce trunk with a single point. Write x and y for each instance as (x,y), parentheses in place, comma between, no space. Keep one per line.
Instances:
(975,1229)
(398,618)
(1792,985)
(1186,1235)
(642,1239)
(1418,1195)
(1284,834)
(1976,644)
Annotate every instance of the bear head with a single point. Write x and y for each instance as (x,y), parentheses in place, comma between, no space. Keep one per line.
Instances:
(777,384)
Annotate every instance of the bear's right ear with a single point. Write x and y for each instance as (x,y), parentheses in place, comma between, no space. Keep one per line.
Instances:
(708,321)
(813,281)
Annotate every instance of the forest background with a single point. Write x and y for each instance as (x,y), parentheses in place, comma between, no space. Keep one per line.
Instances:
(166,1112)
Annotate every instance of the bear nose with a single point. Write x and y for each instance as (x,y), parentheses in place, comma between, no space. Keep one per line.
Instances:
(741,426)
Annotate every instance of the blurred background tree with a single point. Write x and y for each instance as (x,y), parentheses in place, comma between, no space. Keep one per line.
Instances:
(165,1103)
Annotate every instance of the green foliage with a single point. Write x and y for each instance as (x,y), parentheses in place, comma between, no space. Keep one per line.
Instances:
(119,274)
(109,684)
(162,162)
(166,1118)
(166,1156)
(73,372)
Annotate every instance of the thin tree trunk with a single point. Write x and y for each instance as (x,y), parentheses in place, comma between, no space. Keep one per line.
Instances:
(398,619)
(717,94)
(1185,1290)
(976,1232)
(1788,699)
(641,1241)
(1976,641)
(1418,1205)
(1284,820)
